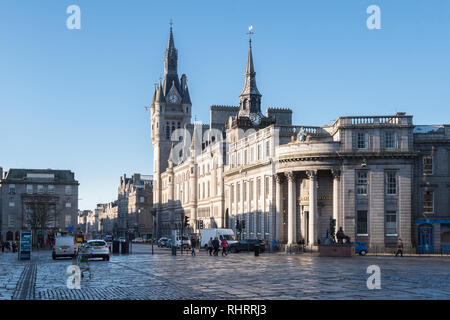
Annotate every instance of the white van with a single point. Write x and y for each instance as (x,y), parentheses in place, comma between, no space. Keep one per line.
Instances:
(64,247)
(226,234)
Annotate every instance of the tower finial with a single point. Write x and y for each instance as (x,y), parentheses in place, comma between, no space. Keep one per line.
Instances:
(250,33)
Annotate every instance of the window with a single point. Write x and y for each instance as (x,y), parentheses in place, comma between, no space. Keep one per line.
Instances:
(67,221)
(361,223)
(245,191)
(167,130)
(40,189)
(266,187)
(361,183)
(11,221)
(142,199)
(232,194)
(428,196)
(68,190)
(12,204)
(391,223)
(259,152)
(29,189)
(238,192)
(251,190)
(389,140)
(51,189)
(362,140)
(391,183)
(428,164)
(68,205)
(209,189)
(258,189)
(267,148)
(12,189)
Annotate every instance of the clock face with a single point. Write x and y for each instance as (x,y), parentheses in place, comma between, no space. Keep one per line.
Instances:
(173,98)
(256,119)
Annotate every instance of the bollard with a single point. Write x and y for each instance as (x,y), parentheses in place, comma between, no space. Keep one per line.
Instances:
(174,250)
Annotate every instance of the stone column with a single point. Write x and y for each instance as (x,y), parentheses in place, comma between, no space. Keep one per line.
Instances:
(336,177)
(278,207)
(313,219)
(291,208)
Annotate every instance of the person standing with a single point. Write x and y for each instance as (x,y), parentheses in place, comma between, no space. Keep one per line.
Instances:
(399,248)
(216,245)
(210,246)
(193,244)
(224,245)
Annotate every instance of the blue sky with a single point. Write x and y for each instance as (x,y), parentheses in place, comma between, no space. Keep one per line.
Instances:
(74,99)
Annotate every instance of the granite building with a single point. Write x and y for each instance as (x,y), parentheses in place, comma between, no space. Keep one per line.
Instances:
(42,200)
(134,206)
(287,181)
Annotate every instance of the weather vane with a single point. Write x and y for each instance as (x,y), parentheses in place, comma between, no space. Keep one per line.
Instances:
(171,23)
(250,33)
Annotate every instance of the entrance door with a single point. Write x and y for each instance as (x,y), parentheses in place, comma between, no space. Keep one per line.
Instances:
(425,239)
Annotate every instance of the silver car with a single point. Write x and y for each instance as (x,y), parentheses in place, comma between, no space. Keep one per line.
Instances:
(98,249)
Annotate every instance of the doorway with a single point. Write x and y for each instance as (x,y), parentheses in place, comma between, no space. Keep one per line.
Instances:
(425,239)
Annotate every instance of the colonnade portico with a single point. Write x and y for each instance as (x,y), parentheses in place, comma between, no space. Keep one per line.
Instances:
(308,227)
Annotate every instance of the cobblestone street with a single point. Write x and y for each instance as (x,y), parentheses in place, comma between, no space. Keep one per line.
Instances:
(141,275)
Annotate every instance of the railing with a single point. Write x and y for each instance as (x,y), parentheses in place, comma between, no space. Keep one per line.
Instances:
(397,119)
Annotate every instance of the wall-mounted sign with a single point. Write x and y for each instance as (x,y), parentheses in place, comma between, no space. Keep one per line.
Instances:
(318,198)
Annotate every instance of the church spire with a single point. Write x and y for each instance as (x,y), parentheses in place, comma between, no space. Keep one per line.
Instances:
(250,97)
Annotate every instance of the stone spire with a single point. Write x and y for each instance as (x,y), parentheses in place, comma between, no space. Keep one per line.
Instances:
(171,65)
(250,97)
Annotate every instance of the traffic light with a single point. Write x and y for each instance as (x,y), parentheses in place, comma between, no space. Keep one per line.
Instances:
(243,224)
(201,224)
(237,225)
(186,221)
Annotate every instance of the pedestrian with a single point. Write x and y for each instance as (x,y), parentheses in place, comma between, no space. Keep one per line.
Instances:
(193,243)
(399,248)
(210,246)
(216,245)
(224,245)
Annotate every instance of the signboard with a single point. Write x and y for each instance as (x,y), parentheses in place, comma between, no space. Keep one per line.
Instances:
(70,229)
(25,245)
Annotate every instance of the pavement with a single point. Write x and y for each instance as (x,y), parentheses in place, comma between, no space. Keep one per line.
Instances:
(143,276)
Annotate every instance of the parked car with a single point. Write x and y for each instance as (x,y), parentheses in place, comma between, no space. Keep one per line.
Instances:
(122,239)
(247,245)
(162,242)
(360,248)
(169,243)
(138,240)
(64,247)
(97,249)
(108,238)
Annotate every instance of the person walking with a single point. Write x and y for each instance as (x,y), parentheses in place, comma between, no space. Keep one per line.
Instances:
(399,248)
(193,244)
(224,245)
(216,245)
(210,246)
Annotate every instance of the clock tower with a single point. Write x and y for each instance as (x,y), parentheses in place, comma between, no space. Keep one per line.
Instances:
(250,115)
(170,110)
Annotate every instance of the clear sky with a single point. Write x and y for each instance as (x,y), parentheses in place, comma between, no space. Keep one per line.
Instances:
(74,99)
